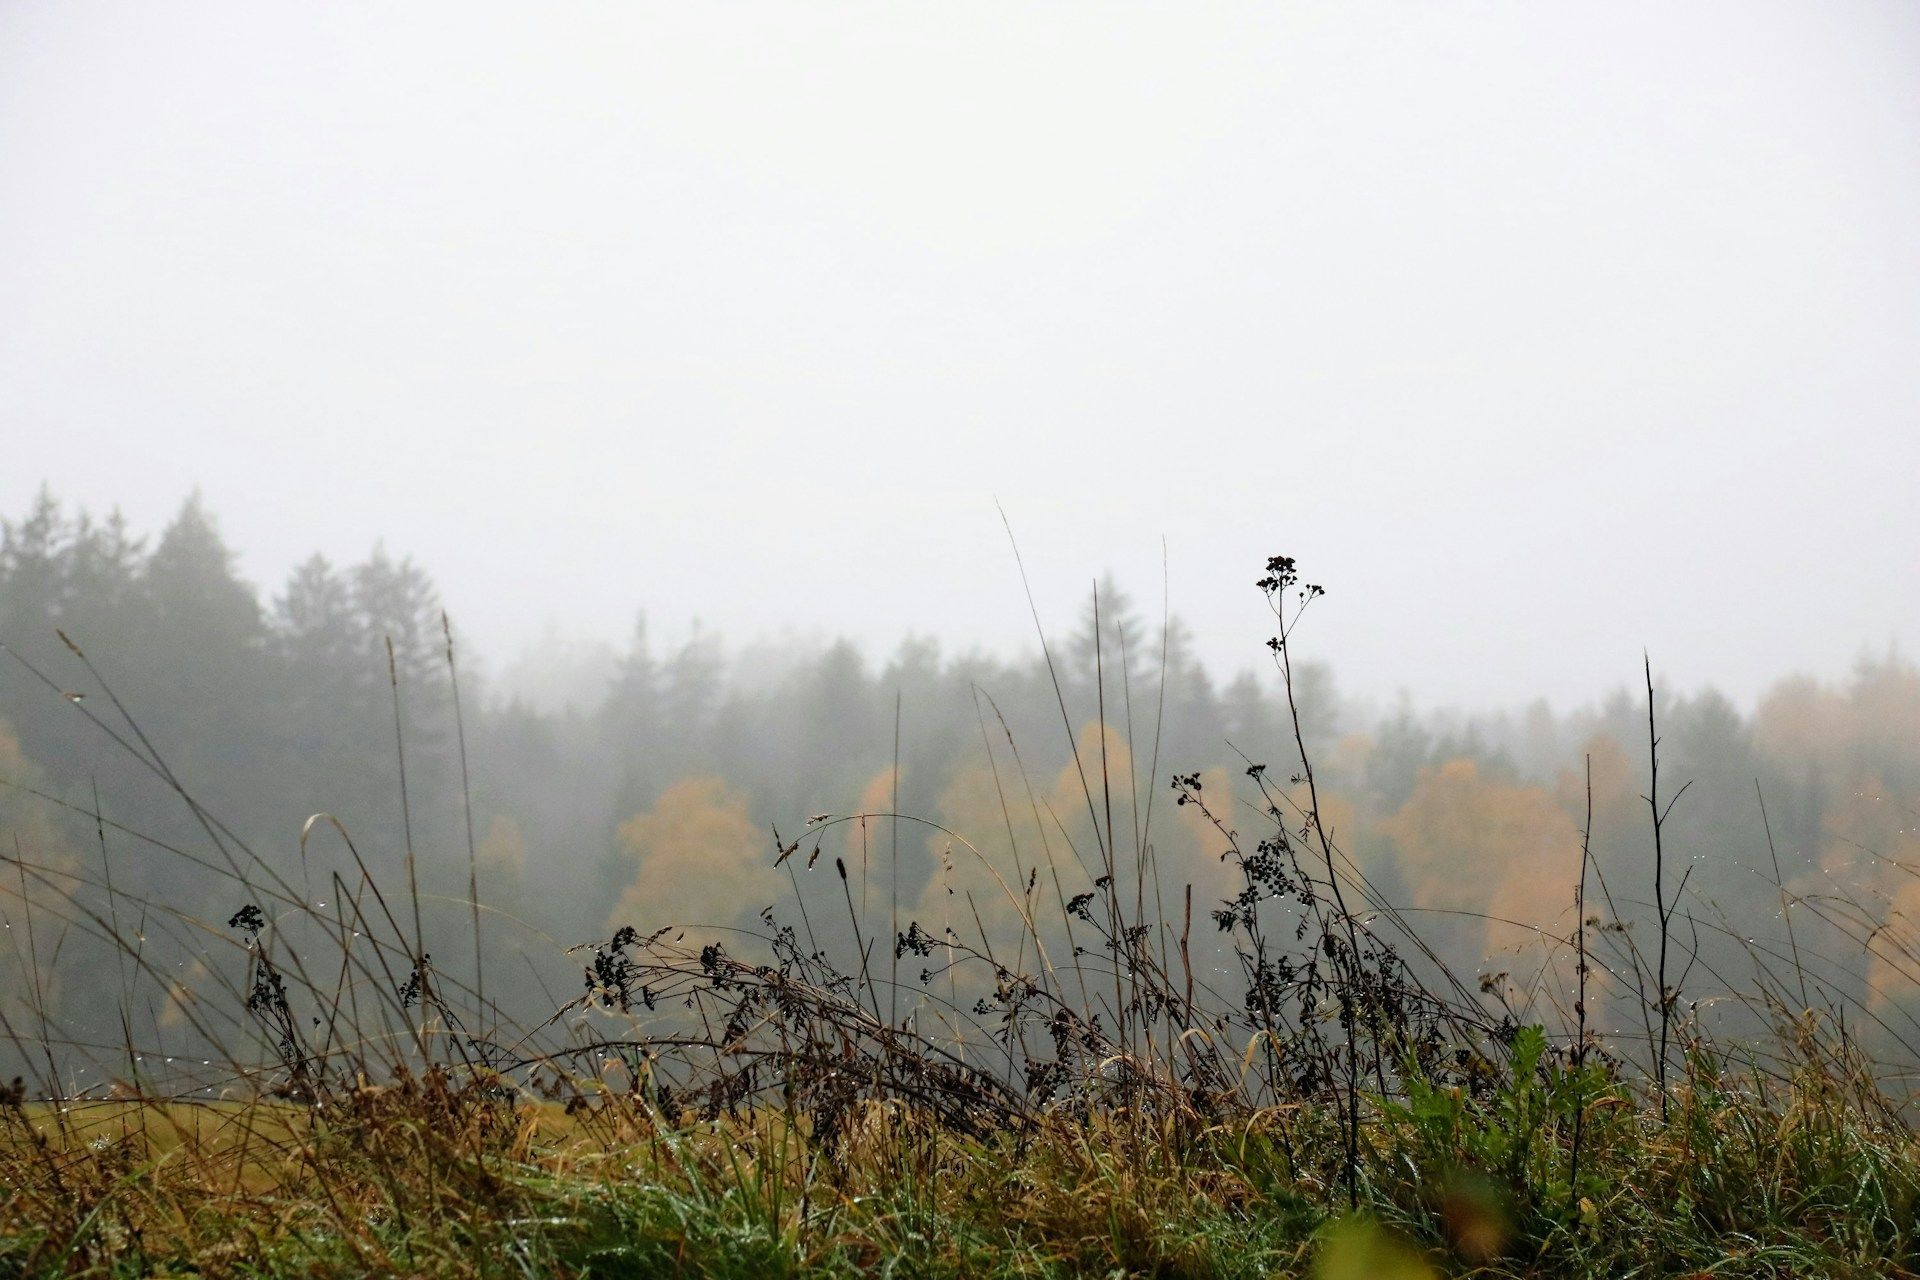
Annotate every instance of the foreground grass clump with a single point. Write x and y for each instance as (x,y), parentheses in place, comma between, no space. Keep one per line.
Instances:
(1765,1174)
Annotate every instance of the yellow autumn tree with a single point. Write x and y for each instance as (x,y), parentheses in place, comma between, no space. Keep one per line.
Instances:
(700,859)
(21,816)
(977,871)
(1866,726)
(1054,831)
(1214,878)
(1485,847)
(1870,847)
(1011,858)
(980,862)
(502,855)
(1857,746)
(867,840)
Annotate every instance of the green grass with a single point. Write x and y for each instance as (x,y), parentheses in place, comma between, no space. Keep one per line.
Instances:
(1753,1174)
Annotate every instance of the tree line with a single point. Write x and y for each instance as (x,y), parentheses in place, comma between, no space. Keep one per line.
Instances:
(660,800)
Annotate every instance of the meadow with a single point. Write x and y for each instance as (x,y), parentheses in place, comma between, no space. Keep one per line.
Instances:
(1081,1067)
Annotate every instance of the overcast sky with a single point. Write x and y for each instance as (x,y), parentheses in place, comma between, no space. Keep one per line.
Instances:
(1538,332)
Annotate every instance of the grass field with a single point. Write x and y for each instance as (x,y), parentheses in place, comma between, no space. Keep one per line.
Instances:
(1069,1092)
(1749,1175)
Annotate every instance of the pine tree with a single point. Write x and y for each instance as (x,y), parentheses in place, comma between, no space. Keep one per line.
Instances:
(333,707)
(32,581)
(320,632)
(692,692)
(191,583)
(397,601)
(631,712)
(101,567)
(1123,642)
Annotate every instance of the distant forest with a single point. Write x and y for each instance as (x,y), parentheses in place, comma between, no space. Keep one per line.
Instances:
(659,803)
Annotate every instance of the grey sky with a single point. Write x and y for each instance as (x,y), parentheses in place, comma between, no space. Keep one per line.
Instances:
(1539,333)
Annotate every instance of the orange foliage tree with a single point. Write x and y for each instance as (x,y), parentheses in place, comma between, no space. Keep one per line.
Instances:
(1503,854)
(701,859)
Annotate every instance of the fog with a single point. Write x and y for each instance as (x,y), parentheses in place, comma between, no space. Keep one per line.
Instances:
(729,375)
(714,787)
(1540,335)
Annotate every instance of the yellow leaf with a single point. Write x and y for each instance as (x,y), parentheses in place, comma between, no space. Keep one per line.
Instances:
(1357,1249)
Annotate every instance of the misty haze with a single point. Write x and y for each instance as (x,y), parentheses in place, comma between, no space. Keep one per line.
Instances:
(816,639)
